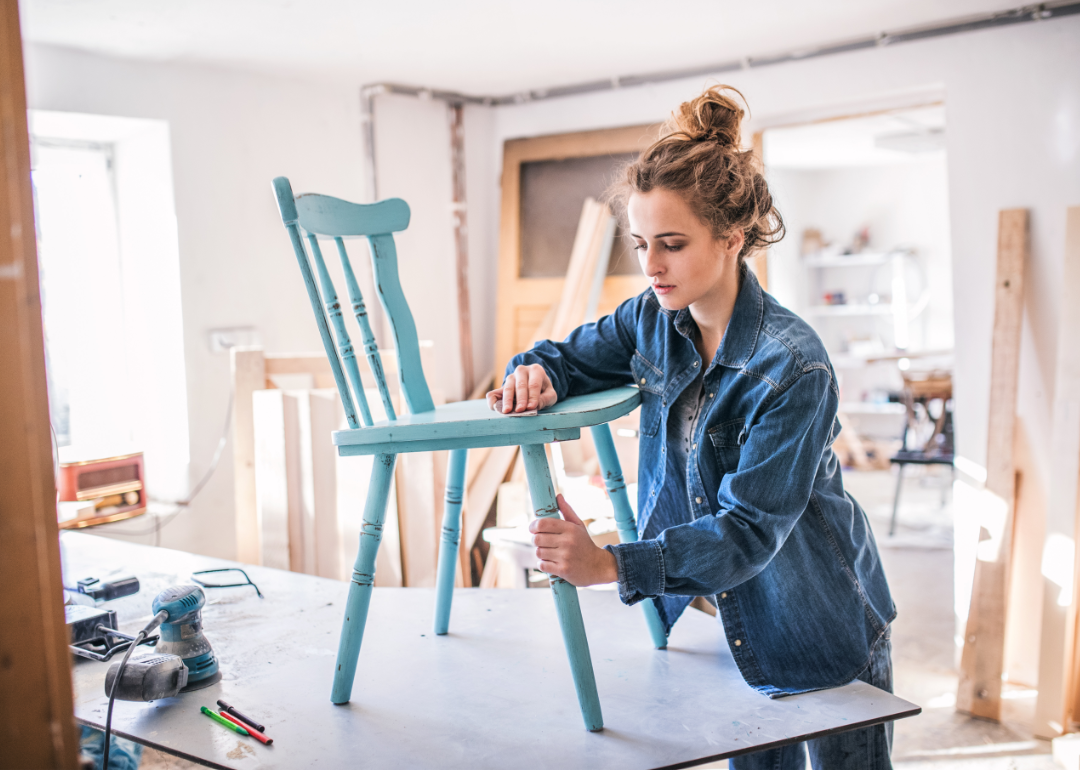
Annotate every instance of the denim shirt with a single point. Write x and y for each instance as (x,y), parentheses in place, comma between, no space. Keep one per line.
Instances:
(757,519)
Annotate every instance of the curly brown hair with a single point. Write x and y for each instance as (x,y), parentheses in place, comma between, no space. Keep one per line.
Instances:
(699,156)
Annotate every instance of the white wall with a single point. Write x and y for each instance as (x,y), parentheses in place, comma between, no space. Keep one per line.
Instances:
(1013,116)
(1012,98)
(412,140)
(231,134)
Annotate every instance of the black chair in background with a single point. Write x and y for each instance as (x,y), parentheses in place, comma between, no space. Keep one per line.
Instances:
(919,392)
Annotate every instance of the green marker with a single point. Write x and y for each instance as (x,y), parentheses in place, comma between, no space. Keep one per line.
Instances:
(223,721)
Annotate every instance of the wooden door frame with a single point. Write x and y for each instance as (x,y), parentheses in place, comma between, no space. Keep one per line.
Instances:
(37,724)
(547,291)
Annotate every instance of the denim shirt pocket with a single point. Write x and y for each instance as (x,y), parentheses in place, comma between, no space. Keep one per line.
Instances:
(650,381)
(727,439)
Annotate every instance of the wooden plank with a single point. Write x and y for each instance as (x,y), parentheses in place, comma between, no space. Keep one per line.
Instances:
(417,520)
(1024,618)
(759,261)
(459,211)
(37,728)
(272,469)
(1057,706)
(318,483)
(482,492)
(483,385)
(248,375)
(301,518)
(982,661)
(582,264)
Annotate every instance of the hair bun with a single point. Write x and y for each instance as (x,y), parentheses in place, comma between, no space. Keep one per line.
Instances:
(712,116)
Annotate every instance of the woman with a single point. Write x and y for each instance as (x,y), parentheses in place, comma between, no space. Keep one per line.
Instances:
(740,494)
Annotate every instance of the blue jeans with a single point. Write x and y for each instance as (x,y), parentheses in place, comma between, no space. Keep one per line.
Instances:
(123,754)
(866,749)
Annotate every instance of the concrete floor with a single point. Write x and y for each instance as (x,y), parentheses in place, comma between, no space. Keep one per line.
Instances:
(919,564)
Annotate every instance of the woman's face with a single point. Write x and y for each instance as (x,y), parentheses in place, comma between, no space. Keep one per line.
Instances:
(677,251)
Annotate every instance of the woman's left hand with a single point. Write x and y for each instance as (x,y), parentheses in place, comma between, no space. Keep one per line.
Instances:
(565,549)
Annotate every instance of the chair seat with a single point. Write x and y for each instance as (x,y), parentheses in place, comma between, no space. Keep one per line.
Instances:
(469,424)
(920,458)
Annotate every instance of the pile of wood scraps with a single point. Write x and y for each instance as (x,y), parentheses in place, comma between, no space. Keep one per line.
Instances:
(299,504)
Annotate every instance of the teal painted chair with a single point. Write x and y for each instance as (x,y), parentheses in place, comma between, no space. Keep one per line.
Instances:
(456,427)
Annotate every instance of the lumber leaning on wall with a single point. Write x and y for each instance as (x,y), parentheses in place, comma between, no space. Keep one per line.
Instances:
(979,691)
(37,724)
(1055,708)
(248,375)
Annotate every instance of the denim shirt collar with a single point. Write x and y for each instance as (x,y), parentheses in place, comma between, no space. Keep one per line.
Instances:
(741,335)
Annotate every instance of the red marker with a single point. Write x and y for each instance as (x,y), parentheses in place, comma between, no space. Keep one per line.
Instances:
(254,733)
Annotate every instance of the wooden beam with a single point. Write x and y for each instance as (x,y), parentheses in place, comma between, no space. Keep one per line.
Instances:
(37,725)
(482,492)
(461,243)
(979,692)
(248,376)
(759,261)
(1057,703)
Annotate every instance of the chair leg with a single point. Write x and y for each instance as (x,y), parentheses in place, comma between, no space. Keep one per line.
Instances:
(451,536)
(896,497)
(356,606)
(624,517)
(566,598)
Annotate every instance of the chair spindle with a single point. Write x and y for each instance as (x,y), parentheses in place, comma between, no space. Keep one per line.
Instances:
(286,203)
(360,310)
(345,346)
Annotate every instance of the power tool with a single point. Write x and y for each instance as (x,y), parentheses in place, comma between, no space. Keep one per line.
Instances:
(182,634)
(182,646)
(183,661)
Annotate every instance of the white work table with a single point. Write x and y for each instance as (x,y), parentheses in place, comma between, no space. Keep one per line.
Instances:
(495,692)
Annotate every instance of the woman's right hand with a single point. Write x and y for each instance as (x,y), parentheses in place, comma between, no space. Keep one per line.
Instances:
(525,389)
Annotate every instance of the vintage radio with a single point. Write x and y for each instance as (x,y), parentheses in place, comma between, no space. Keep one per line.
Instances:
(114,485)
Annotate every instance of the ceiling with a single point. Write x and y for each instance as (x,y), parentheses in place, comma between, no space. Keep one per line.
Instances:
(474,46)
(902,136)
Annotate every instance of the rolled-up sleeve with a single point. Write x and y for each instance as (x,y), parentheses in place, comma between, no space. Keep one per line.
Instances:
(640,568)
(759,503)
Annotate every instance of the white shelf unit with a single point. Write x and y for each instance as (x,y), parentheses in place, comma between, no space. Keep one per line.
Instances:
(883,308)
(899,308)
(849,260)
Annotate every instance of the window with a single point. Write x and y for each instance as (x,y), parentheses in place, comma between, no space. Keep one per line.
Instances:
(110,285)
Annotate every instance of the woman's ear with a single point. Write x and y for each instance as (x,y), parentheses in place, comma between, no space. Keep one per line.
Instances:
(733,243)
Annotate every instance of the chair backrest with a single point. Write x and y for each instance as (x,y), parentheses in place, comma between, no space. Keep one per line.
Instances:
(309,217)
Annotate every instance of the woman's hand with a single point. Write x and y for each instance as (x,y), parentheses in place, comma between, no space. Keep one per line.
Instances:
(565,549)
(525,389)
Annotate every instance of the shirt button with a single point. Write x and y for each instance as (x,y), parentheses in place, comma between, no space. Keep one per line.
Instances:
(738,642)
(694,447)
(695,364)
(697,500)
(642,380)
(723,595)
(710,395)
